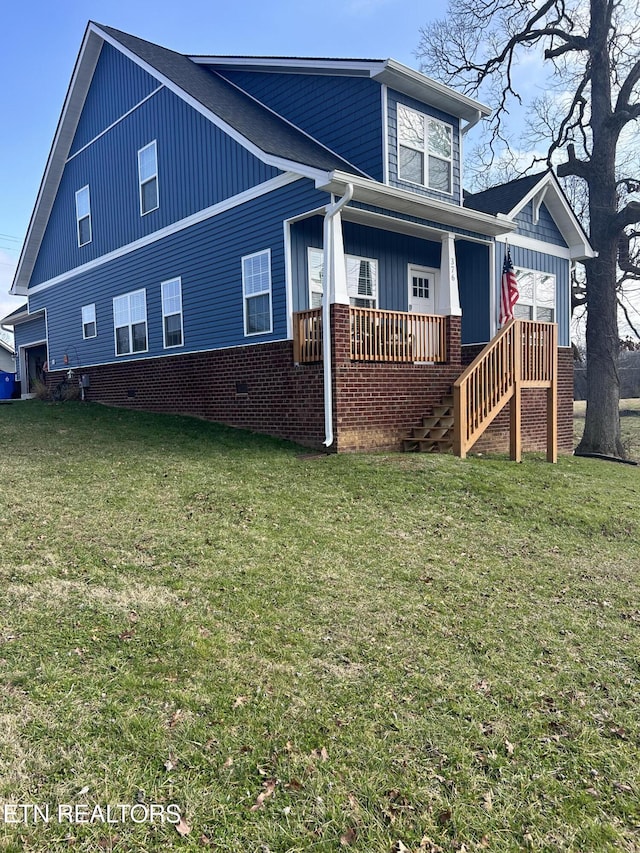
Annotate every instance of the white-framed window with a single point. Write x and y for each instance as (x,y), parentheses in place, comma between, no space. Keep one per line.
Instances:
(89,327)
(425,150)
(362,279)
(83,216)
(256,292)
(172,313)
(130,322)
(537,300)
(148,178)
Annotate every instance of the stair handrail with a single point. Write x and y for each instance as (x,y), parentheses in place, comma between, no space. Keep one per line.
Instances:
(522,355)
(484,387)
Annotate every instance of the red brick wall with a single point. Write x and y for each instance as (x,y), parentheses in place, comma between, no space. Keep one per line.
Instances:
(534,412)
(376,404)
(280,400)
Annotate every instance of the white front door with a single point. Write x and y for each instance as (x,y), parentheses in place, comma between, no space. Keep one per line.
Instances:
(422,287)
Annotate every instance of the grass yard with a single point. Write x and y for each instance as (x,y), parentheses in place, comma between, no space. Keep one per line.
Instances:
(381,653)
(629,424)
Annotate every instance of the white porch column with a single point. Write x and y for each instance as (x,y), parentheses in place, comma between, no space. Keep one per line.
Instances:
(448,294)
(335,274)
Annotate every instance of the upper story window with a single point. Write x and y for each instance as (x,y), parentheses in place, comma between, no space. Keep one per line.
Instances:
(89,327)
(256,290)
(362,280)
(172,312)
(148,178)
(537,300)
(130,322)
(425,150)
(83,216)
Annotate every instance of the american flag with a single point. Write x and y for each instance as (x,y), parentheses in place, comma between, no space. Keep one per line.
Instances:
(509,294)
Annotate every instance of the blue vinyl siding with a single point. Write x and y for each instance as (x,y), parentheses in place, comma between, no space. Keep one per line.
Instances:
(532,260)
(198,166)
(207,258)
(33,331)
(545,229)
(393,99)
(394,253)
(343,113)
(117,86)
(474,286)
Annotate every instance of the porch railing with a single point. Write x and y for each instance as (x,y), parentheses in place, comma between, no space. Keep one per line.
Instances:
(387,336)
(524,354)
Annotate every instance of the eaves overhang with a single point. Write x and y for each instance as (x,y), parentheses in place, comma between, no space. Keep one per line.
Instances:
(549,189)
(417,85)
(21,315)
(413,204)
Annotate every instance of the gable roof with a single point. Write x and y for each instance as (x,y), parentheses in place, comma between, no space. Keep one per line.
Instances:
(6,347)
(510,198)
(264,133)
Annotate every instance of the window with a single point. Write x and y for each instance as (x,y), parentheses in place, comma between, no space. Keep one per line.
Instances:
(130,322)
(425,150)
(362,280)
(172,312)
(256,288)
(83,216)
(89,328)
(537,300)
(148,177)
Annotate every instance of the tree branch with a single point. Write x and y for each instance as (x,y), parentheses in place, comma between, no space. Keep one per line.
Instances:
(629,215)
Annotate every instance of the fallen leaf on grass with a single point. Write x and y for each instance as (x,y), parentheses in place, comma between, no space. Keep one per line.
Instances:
(623,787)
(487,801)
(444,817)
(269,787)
(240,701)
(173,720)
(321,753)
(348,837)
(400,847)
(182,827)
(429,846)
(509,747)
(228,762)
(127,635)
(171,763)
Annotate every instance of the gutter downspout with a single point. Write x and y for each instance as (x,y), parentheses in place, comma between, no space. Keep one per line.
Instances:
(329,279)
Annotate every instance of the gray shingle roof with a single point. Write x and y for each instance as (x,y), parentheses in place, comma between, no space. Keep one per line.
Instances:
(504,197)
(264,128)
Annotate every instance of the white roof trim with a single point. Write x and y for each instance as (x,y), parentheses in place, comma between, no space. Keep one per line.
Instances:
(65,131)
(579,246)
(386,71)
(403,201)
(74,102)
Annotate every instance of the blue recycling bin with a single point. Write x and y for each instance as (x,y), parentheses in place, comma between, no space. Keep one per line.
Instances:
(7,385)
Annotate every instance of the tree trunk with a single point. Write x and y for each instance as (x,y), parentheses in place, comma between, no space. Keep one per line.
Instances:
(602,422)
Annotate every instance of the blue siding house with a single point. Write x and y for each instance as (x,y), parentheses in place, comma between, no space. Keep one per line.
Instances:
(281,244)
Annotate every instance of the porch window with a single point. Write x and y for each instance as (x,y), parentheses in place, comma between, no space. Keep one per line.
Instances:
(89,328)
(362,280)
(130,322)
(425,150)
(148,178)
(172,312)
(537,299)
(256,289)
(83,216)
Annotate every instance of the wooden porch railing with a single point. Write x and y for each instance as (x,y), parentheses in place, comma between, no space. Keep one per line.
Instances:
(524,354)
(388,336)
(307,336)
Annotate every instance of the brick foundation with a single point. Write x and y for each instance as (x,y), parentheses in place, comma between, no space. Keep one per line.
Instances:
(255,387)
(260,389)
(534,412)
(376,404)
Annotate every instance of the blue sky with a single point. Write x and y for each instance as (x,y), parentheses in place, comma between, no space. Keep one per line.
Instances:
(39,43)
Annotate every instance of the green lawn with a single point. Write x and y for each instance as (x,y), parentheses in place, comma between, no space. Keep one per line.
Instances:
(372,653)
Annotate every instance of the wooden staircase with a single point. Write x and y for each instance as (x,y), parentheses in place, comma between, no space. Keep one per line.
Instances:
(435,435)
(524,354)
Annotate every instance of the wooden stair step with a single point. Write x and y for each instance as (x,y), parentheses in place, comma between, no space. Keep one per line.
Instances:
(442,411)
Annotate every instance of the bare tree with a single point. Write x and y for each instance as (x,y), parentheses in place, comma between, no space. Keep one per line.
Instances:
(591,48)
